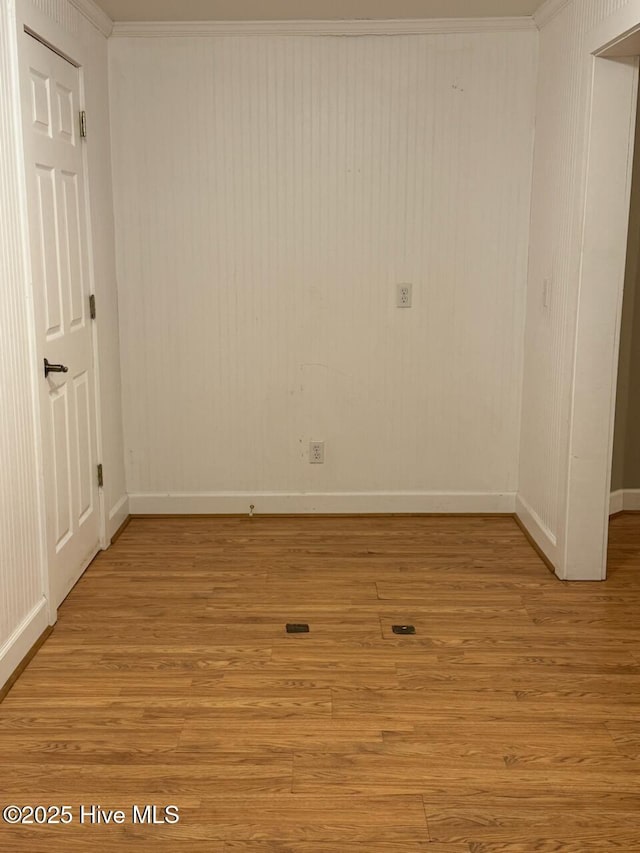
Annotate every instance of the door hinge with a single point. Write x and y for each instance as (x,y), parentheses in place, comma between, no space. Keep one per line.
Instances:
(92,306)
(100,477)
(83,124)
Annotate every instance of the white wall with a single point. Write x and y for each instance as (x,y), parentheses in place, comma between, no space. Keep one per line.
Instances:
(558,205)
(270,193)
(23,615)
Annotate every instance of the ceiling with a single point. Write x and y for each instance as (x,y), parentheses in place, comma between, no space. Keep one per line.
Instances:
(277,10)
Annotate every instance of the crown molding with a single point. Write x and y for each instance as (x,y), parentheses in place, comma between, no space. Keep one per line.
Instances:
(548,11)
(94,14)
(434,26)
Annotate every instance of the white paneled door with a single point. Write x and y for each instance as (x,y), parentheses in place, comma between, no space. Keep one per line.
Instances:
(58,232)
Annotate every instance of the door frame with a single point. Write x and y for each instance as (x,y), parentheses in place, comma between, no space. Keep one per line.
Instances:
(613,49)
(30,20)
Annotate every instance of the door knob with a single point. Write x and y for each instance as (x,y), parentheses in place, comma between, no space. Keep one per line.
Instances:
(54,368)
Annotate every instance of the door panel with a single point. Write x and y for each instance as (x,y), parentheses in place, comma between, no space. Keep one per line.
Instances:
(72,249)
(85,472)
(59,403)
(46,271)
(66,115)
(40,102)
(57,213)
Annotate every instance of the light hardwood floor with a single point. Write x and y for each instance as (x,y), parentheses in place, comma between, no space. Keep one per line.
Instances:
(510,723)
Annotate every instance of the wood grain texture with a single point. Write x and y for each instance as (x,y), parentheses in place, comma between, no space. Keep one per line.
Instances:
(507,724)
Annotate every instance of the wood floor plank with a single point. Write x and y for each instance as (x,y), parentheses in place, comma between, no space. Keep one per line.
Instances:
(530,663)
(274,675)
(340,847)
(223,774)
(362,819)
(461,771)
(622,842)
(373,770)
(420,706)
(461,823)
(504,735)
(295,736)
(515,745)
(105,840)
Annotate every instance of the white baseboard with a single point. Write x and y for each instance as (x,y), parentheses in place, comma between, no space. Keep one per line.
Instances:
(117,516)
(537,529)
(15,649)
(631,501)
(624,500)
(616,501)
(239,503)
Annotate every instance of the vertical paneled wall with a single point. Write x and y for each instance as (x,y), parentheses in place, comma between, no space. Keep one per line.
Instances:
(270,193)
(21,586)
(555,255)
(62,12)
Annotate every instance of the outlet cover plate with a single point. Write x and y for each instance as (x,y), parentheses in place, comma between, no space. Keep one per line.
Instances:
(316,452)
(404,295)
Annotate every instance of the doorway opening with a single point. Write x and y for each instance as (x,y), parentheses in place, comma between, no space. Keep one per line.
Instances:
(613,47)
(625,467)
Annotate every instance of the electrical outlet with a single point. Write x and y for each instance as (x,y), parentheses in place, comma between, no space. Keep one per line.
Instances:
(316,452)
(404,295)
